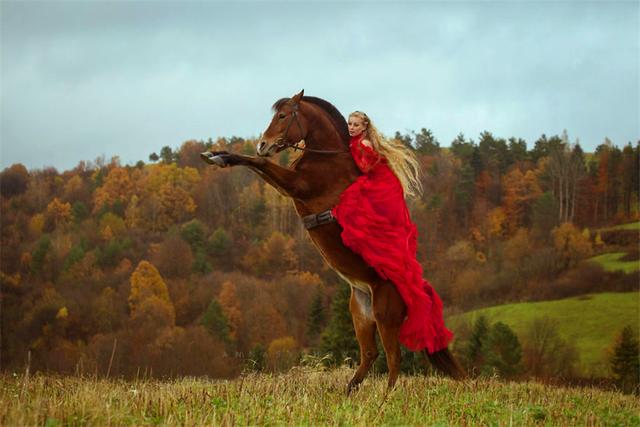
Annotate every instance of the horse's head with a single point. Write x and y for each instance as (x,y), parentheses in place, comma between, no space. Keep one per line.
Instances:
(288,126)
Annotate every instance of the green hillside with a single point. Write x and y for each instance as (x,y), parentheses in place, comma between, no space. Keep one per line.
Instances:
(611,262)
(592,322)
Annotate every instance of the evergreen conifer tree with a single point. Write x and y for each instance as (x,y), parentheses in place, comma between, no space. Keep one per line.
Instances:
(473,353)
(502,351)
(216,322)
(317,317)
(625,362)
(339,339)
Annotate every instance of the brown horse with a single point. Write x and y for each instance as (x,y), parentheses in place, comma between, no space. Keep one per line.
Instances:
(314,182)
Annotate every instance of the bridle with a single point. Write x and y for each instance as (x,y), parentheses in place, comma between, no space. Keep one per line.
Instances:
(283,144)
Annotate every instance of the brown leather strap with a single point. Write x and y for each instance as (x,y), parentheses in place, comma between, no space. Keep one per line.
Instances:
(315,220)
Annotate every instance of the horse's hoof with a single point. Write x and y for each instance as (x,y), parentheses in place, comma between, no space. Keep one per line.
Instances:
(213,159)
(351,387)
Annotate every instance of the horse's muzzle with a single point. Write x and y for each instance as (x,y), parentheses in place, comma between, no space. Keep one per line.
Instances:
(266,149)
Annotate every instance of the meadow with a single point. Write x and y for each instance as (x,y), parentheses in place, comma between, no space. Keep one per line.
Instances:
(612,262)
(308,396)
(591,322)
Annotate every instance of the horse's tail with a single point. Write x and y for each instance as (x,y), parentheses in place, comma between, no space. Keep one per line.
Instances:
(445,363)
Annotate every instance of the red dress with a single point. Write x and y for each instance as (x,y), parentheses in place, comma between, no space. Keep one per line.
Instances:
(376,225)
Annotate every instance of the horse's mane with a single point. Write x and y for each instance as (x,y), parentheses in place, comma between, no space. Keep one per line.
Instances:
(336,117)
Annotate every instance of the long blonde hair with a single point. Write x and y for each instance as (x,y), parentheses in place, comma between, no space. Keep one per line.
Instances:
(401,159)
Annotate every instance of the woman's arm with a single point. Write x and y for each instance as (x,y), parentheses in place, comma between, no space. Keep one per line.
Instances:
(367,157)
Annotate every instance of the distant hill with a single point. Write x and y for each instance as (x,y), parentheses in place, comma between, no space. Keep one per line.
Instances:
(592,322)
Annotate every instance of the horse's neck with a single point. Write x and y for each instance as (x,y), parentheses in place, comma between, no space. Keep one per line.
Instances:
(340,163)
(329,174)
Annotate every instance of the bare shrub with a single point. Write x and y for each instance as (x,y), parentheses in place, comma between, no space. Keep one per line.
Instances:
(545,353)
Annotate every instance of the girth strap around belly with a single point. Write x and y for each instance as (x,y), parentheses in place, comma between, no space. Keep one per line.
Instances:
(314,220)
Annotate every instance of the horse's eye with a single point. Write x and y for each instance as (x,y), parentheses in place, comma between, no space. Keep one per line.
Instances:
(282,115)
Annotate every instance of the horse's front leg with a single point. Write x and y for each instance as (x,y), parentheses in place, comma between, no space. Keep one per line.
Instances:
(286,181)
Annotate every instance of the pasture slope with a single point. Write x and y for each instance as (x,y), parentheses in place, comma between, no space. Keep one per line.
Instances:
(591,322)
(623,255)
(305,396)
(612,261)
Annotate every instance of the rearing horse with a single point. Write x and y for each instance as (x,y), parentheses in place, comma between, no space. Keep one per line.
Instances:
(315,181)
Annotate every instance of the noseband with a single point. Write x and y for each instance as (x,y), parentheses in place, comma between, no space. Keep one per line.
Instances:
(284,144)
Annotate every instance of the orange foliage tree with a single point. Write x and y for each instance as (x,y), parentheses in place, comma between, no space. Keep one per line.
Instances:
(274,255)
(519,192)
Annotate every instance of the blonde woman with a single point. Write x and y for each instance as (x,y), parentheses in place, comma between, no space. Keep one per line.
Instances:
(376,224)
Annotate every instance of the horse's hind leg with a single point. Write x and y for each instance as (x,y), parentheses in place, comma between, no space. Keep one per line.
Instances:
(389,311)
(365,326)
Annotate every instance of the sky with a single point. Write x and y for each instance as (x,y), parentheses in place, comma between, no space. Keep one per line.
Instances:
(86,79)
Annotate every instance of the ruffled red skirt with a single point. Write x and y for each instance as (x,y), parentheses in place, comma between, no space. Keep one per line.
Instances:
(376,225)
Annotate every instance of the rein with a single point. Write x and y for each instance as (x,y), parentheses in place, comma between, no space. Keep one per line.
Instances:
(283,144)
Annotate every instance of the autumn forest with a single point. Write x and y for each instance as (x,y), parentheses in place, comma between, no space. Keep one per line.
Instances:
(172,267)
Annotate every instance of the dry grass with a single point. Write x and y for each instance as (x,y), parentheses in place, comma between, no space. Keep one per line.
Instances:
(304,396)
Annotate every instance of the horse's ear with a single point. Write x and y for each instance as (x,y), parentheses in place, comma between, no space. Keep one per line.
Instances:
(296,98)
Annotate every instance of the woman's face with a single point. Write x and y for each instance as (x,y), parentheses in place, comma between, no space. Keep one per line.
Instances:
(356,125)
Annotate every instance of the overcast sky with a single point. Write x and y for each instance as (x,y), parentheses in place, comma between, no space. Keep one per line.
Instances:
(85,79)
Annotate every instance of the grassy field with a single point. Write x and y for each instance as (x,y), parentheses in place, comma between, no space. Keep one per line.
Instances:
(308,397)
(611,262)
(592,322)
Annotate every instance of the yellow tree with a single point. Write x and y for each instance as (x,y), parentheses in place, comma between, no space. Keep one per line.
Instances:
(145,283)
(496,222)
(117,186)
(36,225)
(58,213)
(152,313)
(571,244)
(167,192)
(281,353)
